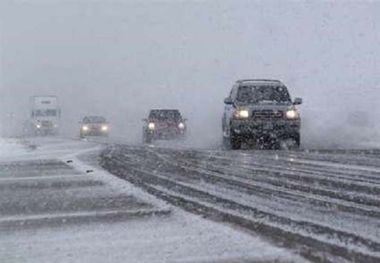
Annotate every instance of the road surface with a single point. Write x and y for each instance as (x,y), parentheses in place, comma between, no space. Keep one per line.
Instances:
(58,205)
(323,204)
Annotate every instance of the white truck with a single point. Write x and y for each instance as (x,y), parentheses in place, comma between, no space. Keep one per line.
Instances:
(45,116)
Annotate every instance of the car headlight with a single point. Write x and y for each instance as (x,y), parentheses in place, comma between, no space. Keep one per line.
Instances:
(38,126)
(104,128)
(181,125)
(151,126)
(292,114)
(85,128)
(241,114)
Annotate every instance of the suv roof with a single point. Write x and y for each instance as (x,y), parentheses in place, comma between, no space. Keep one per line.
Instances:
(164,110)
(266,81)
(94,119)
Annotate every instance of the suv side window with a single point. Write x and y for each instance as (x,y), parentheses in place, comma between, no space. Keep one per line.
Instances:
(234,92)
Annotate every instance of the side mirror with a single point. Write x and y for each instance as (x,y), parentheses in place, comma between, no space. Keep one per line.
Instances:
(146,120)
(185,119)
(228,101)
(297,101)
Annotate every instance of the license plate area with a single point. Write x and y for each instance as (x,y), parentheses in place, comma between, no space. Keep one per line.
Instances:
(267,126)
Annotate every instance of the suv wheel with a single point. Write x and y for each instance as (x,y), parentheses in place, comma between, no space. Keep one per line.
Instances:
(226,143)
(292,142)
(147,138)
(235,142)
(297,139)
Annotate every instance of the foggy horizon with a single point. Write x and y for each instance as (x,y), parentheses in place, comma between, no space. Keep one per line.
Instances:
(121,58)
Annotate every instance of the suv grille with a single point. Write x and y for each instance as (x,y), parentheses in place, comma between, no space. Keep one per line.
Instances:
(267,115)
(47,124)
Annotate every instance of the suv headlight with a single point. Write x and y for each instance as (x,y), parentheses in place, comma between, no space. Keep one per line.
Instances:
(181,125)
(151,126)
(85,128)
(292,114)
(241,114)
(104,128)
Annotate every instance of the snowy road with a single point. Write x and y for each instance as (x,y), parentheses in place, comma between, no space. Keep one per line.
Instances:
(58,205)
(324,204)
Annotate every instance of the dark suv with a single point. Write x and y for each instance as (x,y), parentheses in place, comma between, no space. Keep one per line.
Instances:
(263,112)
(164,124)
(93,126)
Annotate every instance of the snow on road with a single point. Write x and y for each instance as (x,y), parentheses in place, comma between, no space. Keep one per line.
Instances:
(325,203)
(9,148)
(58,207)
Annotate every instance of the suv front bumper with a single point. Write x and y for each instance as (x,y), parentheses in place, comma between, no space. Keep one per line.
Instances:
(254,129)
(165,134)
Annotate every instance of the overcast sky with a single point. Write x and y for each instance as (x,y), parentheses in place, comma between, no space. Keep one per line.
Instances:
(121,58)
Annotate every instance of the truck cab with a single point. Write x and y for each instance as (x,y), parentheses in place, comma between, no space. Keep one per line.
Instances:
(45,116)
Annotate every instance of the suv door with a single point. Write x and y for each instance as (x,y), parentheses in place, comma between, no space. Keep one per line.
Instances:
(229,111)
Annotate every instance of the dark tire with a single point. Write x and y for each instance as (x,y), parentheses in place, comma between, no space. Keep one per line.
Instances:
(275,145)
(182,137)
(147,138)
(226,143)
(297,139)
(235,142)
(296,142)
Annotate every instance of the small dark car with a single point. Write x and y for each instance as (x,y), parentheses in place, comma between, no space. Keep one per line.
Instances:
(94,126)
(262,111)
(164,124)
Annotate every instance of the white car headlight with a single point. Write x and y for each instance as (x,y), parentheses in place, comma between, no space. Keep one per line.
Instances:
(104,128)
(85,128)
(151,126)
(241,114)
(38,126)
(181,125)
(292,114)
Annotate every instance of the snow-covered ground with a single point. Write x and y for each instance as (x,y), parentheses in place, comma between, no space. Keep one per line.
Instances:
(55,207)
(324,202)
(10,148)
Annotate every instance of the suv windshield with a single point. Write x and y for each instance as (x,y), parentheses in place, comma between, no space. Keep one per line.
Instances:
(257,94)
(94,119)
(165,115)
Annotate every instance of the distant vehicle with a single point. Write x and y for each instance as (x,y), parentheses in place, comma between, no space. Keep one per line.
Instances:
(94,126)
(164,124)
(261,111)
(45,116)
